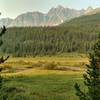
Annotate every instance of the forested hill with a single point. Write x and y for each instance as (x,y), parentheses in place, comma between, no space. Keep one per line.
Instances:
(90,23)
(78,35)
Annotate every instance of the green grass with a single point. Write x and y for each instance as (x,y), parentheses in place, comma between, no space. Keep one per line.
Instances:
(42,87)
(76,60)
(42,84)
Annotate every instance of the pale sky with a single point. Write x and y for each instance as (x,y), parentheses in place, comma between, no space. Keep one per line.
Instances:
(13,8)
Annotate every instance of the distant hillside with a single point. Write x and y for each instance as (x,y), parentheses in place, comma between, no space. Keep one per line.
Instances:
(93,11)
(88,23)
(54,17)
(5,21)
(77,35)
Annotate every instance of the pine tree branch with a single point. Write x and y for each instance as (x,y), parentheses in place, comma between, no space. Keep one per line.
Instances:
(79,92)
(3,31)
(2,60)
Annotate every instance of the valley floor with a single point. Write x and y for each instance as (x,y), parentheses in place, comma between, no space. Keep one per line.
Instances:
(31,78)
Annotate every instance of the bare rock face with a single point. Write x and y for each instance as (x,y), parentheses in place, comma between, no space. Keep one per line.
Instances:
(5,21)
(54,17)
(88,10)
(29,19)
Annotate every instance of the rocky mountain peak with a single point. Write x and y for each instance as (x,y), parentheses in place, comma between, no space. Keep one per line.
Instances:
(55,16)
(89,10)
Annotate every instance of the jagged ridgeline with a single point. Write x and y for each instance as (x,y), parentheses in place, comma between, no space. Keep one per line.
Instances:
(77,35)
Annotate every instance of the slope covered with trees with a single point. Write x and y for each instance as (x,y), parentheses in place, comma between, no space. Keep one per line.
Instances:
(77,35)
(89,23)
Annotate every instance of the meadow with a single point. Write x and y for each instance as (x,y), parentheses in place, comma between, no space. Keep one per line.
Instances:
(29,79)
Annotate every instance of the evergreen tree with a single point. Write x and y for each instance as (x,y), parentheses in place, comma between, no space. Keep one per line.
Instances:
(2,60)
(92,76)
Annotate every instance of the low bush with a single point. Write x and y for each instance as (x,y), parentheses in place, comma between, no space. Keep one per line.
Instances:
(50,65)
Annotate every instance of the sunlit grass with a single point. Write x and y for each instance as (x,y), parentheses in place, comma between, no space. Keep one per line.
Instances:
(75,60)
(37,83)
(35,71)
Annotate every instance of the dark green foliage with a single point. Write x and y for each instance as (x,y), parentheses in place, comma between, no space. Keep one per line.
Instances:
(77,35)
(79,93)
(92,76)
(3,31)
(1,79)
(46,41)
(2,60)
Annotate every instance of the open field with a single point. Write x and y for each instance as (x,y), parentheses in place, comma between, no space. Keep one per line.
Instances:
(69,60)
(25,79)
(38,84)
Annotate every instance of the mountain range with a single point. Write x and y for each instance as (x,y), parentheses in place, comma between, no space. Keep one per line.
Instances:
(54,17)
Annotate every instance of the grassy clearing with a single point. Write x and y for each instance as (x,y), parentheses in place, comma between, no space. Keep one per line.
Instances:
(36,83)
(35,71)
(75,60)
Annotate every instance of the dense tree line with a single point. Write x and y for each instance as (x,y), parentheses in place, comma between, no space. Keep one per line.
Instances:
(77,35)
(34,41)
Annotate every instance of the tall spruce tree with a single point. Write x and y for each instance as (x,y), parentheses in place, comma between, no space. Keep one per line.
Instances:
(2,60)
(92,76)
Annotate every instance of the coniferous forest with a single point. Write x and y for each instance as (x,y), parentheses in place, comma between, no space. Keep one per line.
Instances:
(46,41)
(77,35)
